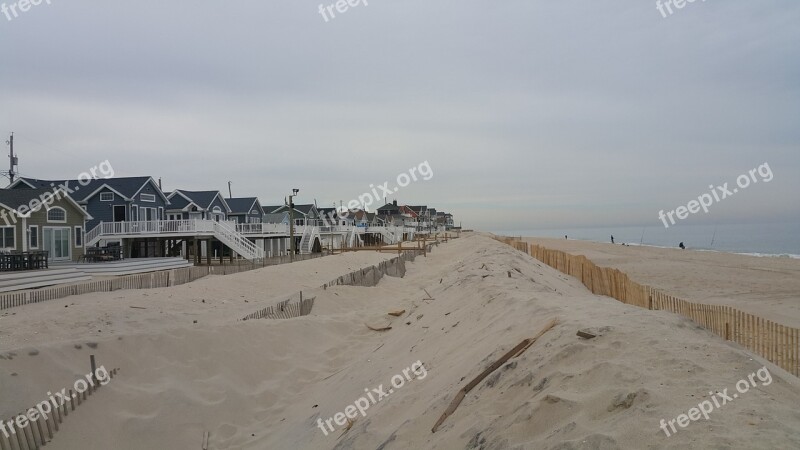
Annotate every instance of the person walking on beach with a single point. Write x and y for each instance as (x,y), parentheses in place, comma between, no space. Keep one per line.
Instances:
(683,247)
(612,238)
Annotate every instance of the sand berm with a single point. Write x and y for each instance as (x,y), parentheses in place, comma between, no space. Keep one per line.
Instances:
(262,384)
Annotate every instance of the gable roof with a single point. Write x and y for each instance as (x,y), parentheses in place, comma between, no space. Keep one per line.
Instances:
(328,212)
(276,218)
(82,190)
(179,202)
(243,205)
(271,209)
(389,207)
(302,209)
(13,199)
(203,199)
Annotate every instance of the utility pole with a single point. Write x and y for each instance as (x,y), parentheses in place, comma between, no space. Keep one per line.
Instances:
(12,160)
(291,223)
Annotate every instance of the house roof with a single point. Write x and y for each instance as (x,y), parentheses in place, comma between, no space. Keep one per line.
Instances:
(407,210)
(304,209)
(242,205)
(270,209)
(179,202)
(389,207)
(328,212)
(13,199)
(276,218)
(202,199)
(82,190)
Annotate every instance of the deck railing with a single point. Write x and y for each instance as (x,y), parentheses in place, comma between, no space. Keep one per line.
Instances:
(263,228)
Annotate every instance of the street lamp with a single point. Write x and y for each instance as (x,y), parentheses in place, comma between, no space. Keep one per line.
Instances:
(291,223)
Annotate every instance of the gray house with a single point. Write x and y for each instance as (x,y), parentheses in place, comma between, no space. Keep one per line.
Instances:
(245,209)
(301,212)
(277,218)
(209,205)
(109,199)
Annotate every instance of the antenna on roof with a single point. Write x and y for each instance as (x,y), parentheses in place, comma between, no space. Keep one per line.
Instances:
(230,195)
(12,160)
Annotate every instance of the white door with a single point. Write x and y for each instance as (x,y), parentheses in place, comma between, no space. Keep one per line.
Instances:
(57,243)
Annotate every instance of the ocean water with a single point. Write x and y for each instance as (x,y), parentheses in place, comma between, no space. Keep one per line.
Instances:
(777,239)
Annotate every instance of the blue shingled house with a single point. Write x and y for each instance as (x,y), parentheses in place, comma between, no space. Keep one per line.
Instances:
(245,210)
(109,199)
(209,205)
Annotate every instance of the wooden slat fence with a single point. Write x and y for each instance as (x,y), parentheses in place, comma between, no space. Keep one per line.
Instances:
(284,310)
(368,276)
(39,433)
(777,343)
(164,278)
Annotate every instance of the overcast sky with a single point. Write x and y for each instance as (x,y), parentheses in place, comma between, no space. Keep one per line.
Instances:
(530,113)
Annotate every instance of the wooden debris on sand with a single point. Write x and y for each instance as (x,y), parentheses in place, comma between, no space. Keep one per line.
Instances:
(513,353)
(586,334)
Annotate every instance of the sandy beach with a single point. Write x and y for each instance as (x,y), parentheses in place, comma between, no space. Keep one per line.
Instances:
(765,286)
(268,384)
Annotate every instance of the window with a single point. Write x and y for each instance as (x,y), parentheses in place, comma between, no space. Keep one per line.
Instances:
(254,212)
(134,213)
(78,236)
(7,234)
(56,214)
(217,209)
(148,198)
(106,196)
(33,237)
(160,213)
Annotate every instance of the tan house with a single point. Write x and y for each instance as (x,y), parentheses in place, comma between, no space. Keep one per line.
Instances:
(42,219)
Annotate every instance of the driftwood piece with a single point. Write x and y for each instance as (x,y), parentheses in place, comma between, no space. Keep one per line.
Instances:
(205,440)
(397,313)
(378,329)
(586,335)
(513,353)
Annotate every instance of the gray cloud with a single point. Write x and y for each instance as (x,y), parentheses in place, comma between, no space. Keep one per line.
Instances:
(530,113)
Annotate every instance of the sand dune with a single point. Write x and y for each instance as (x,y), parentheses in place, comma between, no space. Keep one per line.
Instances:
(263,384)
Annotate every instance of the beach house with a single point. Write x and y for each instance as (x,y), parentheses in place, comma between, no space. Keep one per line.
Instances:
(42,220)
